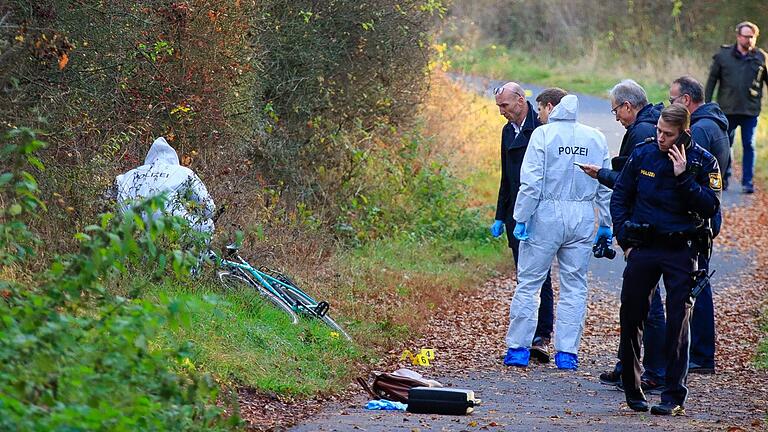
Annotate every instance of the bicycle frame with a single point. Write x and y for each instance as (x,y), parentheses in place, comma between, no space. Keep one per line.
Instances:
(302,303)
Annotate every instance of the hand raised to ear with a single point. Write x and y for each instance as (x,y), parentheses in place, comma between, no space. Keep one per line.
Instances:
(677,156)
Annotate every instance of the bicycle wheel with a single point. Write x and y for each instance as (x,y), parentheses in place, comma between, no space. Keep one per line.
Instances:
(335,326)
(232,280)
(301,301)
(312,313)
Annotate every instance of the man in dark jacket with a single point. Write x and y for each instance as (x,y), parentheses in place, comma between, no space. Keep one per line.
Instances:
(632,110)
(740,70)
(709,129)
(659,200)
(521,121)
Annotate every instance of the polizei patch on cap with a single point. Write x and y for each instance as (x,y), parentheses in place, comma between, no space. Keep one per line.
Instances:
(714,181)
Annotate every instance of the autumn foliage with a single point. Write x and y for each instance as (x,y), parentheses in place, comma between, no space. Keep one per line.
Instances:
(279,105)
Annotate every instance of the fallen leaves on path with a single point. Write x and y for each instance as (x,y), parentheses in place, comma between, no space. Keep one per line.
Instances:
(468,336)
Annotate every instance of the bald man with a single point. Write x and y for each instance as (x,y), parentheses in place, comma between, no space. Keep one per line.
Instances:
(521,121)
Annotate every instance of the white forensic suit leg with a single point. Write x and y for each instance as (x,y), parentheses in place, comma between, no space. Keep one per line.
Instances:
(558,199)
(536,255)
(573,258)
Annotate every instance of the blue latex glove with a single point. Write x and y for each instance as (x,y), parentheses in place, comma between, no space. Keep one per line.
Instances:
(385,405)
(520,232)
(497,228)
(603,231)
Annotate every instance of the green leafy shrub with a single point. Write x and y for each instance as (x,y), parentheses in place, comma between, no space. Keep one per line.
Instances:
(409,193)
(75,356)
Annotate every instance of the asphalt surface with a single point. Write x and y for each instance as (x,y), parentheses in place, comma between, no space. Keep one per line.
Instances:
(544,399)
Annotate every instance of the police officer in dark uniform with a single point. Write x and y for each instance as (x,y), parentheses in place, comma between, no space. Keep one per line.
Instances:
(709,129)
(659,204)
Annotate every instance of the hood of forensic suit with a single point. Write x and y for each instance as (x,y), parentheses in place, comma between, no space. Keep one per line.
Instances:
(566,110)
(161,152)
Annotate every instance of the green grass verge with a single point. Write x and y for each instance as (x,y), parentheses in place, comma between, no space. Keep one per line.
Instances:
(243,341)
(502,63)
(403,280)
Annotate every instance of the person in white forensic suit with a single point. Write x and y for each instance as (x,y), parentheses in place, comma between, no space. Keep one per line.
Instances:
(555,214)
(162,173)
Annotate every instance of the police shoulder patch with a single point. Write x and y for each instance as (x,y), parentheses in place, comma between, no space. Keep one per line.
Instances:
(714,181)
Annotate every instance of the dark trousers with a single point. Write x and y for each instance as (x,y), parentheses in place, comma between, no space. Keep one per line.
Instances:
(645,265)
(654,336)
(546,307)
(703,325)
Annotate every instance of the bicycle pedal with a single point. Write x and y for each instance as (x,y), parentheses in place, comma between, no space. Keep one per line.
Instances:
(321,309)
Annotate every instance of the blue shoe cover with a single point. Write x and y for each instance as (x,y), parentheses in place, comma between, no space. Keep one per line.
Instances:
(566,360)
(517,357)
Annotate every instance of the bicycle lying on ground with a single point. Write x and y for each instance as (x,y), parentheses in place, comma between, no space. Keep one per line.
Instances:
(273,286)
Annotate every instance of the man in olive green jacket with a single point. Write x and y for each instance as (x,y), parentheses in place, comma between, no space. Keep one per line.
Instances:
(740,70)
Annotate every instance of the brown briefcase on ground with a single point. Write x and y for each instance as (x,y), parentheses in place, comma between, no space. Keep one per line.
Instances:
(395,386)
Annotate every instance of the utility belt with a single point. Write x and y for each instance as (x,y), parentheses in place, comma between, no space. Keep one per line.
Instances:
(636,235)
(672,240)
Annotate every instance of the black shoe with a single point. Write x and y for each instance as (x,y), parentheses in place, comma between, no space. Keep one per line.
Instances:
(539,349)
(747,189)
(610,378)
(668,408)
(638,404)
(651,386)
(697,369)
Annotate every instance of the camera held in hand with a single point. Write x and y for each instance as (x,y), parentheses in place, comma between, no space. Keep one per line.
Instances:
(602,249)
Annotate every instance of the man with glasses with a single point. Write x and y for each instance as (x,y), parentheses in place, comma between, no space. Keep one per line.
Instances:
(521,121)
(709,129)
(740,71)
(630,105)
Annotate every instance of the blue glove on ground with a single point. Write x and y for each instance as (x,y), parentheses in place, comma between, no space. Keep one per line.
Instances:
(520,232)
(603,231)
(497,228)
(385,405)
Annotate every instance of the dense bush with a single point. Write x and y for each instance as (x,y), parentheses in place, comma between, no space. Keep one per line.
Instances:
(74,356)
(112,76)
(422,198)
(336,76)
(274,98)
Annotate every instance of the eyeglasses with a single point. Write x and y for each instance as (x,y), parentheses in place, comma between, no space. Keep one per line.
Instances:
(615,109)
(672,100)
(499,90)
(747,36)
